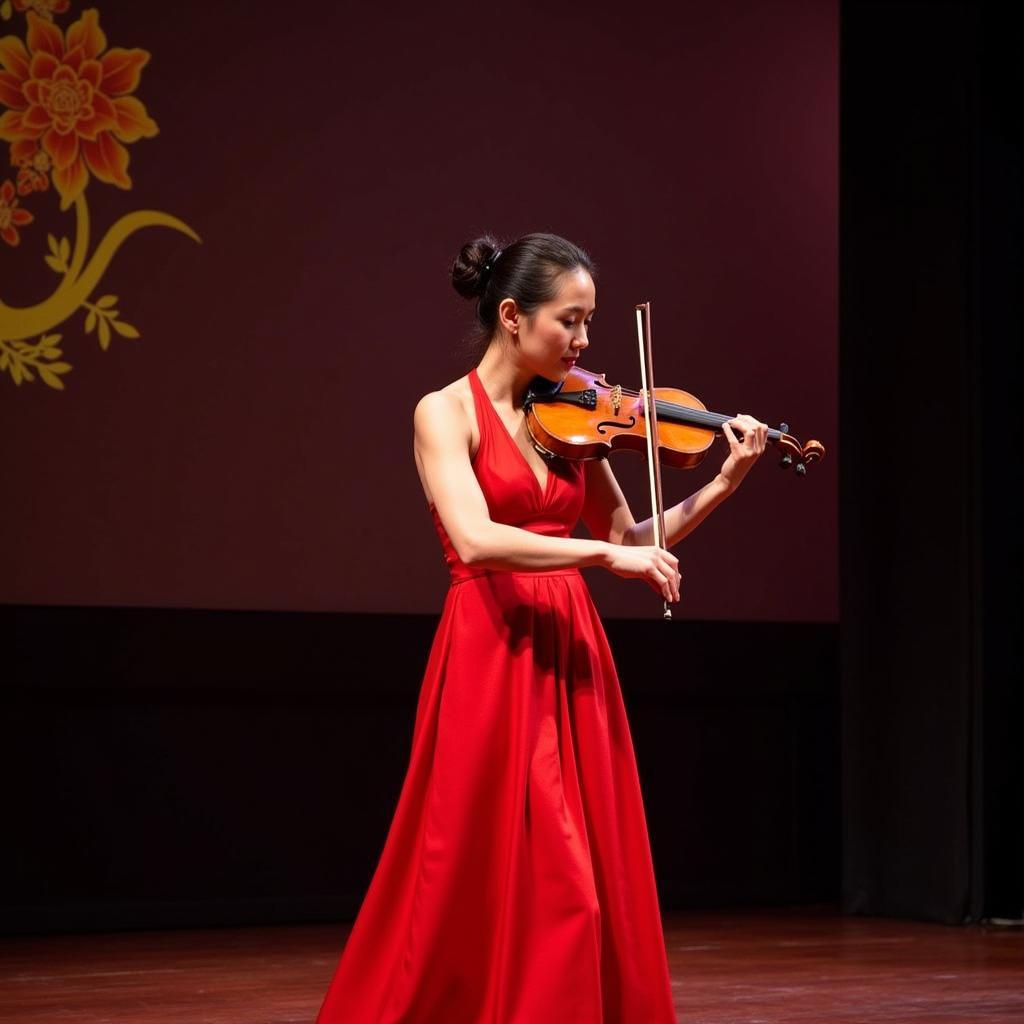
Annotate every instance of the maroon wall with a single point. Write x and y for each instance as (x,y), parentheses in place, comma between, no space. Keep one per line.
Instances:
(253,449)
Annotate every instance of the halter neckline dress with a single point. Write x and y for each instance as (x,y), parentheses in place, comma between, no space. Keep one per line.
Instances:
(515,884)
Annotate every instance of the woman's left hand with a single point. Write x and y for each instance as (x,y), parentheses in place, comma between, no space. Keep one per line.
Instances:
(742,454)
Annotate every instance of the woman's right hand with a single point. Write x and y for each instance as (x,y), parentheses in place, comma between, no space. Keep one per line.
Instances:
(658,567)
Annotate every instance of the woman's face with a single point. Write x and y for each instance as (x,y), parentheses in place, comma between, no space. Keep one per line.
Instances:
(552,337)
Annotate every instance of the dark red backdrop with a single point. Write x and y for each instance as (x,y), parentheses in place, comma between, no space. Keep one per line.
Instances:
(253,449)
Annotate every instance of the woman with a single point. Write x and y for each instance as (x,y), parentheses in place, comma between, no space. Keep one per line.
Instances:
(516,883)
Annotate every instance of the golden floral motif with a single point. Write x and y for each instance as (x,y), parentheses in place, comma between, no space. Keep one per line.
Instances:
(65,91)
(71,114)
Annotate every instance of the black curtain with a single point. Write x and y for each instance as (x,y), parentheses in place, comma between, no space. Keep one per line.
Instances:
(930,333)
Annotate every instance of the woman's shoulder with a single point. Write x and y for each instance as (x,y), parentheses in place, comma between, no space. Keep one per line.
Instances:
(455,395)
(450,406)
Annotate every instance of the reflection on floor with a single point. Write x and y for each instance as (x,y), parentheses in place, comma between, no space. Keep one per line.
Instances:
(769,966)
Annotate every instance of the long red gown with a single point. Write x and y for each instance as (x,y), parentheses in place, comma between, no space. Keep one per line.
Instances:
(516,884)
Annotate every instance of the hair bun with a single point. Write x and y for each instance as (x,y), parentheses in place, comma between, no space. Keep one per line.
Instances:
(471,267)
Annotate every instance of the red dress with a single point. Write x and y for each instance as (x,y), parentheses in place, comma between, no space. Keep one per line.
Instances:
(515,885)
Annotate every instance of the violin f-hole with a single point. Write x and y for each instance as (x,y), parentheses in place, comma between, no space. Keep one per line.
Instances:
(601,427)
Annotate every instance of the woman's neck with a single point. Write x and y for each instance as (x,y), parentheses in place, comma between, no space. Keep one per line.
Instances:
(503,378)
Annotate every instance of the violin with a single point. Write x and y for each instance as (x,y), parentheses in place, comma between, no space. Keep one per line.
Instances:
(585,417)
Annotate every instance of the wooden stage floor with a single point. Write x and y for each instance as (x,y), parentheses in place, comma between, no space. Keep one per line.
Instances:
(776,966)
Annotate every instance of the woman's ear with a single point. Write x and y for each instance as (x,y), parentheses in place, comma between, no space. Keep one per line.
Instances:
(508,316)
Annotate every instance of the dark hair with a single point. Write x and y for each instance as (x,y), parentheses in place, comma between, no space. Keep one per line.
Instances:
(526,270)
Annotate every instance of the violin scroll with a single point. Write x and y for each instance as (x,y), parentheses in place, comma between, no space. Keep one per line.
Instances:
(795,454)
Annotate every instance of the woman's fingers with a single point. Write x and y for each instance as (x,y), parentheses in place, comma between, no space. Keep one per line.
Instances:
(673,575)
(737,423)
(755,433)
(665,579)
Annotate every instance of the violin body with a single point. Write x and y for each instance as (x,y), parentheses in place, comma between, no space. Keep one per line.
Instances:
(574,428)
(585,417)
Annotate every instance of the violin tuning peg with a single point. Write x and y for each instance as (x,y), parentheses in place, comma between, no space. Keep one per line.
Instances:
(784,428)
(801,469)
(786,461)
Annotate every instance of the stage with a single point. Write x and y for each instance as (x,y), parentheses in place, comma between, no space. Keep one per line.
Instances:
(759,966)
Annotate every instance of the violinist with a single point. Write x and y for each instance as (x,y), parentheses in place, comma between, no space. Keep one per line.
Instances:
(516,881)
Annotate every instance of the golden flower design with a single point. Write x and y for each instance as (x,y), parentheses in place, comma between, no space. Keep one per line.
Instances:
(73,98)
(12,216)
(44,8)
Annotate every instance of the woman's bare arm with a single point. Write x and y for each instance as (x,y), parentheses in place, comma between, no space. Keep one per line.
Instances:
(442,443)
(607,514)
(685,517)
(608,517)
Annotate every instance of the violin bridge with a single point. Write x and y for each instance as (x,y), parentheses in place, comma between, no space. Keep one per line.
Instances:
(616,397)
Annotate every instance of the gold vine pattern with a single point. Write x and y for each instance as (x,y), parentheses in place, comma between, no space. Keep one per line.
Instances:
(70,116)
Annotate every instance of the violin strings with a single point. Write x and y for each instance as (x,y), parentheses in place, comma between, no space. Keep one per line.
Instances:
(696,417)
(700,416)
